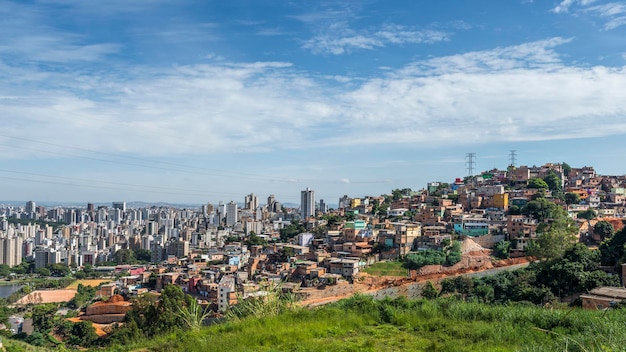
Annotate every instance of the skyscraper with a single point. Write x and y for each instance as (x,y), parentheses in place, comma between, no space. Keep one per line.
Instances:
(307,203)
(251,202)
(11,251)
(119,205)
(30,207)
(231,213)
(323,208)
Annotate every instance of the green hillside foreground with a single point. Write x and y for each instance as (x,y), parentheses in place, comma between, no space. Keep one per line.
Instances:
(447,324)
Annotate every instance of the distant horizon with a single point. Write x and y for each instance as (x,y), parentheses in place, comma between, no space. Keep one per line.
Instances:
(292,204)
(131,203)
(196,102)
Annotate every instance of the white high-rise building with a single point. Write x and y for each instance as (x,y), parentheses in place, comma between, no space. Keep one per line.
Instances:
(307,203)
(11,251)
(231,213)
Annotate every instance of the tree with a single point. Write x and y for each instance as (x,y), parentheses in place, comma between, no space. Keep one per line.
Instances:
(43,272)
(572,198)
(566,168)
(143,255)
(604,229)
(397,193)
(537,183)
(513,210)
(540,209)
(612,250)
(84,295)
(172,300)
(577,270)
(43,317)
(555,237)
(254,240)
(502,250)
(291,231)
(429,291)
(81,334)
(553,181)
(587,214)
(458,284)
(58,269)
(125,256)
(5,270)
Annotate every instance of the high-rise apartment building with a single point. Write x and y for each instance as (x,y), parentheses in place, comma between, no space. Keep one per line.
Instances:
(251,201)
(231,213)
(11,251)
(307,203)
(30,207)
(119,205)
(323,208)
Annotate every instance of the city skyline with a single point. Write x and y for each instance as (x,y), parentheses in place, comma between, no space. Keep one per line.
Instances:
(193,102)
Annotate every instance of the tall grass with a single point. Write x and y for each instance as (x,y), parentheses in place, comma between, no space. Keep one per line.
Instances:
(270,302)
(364,324)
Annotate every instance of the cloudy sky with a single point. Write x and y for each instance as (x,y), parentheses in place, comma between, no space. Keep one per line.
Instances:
(193,101)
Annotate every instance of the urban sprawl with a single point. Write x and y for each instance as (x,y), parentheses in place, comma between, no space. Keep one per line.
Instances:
(224,253)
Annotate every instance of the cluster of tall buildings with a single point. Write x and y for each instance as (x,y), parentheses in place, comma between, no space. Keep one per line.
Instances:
(95,232)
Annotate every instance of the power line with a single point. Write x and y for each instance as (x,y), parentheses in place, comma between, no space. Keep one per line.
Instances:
(194,169)
(213,171)
(114,183)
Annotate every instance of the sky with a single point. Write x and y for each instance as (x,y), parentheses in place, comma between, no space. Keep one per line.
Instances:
(187,101)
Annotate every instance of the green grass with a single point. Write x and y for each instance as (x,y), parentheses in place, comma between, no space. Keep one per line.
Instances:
(392,268)
(15,346)
(363,324)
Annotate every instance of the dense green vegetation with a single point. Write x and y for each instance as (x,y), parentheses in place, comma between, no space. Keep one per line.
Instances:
(84,295)
(446,324)
(540,283)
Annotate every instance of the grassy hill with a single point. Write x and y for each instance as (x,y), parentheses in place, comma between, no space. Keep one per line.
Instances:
(363,324)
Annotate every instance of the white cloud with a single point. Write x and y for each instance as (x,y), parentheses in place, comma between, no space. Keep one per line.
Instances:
(615,22)
(609,9)
(612,13)
(340,39)
(518,93)
(564,5)
(27,38)
(506,94)
(534,54)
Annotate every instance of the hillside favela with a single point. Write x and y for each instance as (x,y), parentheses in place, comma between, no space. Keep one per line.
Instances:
(526,257)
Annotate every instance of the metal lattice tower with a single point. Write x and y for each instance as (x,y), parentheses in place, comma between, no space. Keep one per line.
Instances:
(513,158)
(470,161)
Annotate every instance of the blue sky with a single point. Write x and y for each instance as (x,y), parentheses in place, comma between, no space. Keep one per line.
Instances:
(202,101)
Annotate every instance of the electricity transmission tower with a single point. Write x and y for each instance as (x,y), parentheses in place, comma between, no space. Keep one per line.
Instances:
(470,161)
(513,158)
